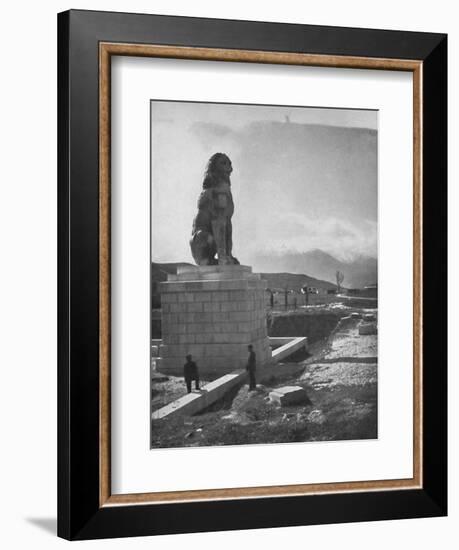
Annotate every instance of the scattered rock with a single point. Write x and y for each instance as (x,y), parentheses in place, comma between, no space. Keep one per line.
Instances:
(289,395)
(316,416)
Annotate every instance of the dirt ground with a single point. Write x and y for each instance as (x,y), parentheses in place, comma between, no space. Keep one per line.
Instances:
(340,379)
(165,389)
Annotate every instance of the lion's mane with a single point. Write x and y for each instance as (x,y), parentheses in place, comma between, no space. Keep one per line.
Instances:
(212,175)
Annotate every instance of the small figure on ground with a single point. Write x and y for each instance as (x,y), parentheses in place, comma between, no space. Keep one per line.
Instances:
(190,372)
(251,368)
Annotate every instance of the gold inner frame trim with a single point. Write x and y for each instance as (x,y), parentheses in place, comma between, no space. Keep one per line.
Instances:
(106,51)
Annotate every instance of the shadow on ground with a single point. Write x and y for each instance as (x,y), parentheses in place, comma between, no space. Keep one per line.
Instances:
(49,525)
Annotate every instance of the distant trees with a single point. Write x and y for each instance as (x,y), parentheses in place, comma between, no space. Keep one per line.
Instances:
(339,280)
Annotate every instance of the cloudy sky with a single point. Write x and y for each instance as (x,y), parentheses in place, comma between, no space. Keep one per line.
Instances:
(303,178)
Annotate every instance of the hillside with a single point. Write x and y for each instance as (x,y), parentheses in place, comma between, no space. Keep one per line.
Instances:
(358,272)
(292,281)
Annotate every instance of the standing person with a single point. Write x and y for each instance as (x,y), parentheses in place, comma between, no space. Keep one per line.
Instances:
(251,368)
(190,372)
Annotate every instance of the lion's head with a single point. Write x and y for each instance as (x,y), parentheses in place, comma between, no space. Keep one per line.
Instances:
(218,169)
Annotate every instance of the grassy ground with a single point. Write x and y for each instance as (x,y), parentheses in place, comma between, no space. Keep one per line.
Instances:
(165,389)
(340,379)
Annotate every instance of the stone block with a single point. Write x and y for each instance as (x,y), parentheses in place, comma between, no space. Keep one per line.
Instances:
(224,338)
(214,272)
(175,329)
(239,295)
(240,316)
(220,296)
(236,285)
(220,317)
(193,286)
(204,338)
(194,307)
(214,320)
(192,403)
(289,395)
(228,326)
(186,339)
(229,306)
(170,339)
(204,297)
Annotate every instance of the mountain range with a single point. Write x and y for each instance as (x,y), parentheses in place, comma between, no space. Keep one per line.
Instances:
(358,272)
(295,270)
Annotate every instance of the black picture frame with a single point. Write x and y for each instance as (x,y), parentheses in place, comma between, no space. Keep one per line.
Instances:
(80,515)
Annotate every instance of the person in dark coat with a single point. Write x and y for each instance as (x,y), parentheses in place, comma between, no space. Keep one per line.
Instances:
(251,368)
(190,372)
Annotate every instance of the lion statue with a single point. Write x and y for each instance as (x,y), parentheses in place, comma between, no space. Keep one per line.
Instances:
(211,237)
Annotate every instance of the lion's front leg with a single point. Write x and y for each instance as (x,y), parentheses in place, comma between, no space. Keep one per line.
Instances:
(229,242)
(203,248)
(219,232)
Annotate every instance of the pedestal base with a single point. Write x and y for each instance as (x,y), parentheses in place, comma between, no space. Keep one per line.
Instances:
(213,313)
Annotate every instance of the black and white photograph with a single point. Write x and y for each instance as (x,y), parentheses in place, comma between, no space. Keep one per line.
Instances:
(264,274)
(229,275)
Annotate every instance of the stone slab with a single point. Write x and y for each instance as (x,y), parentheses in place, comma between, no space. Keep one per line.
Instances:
(287,348)
(289,395)
(213,366)
(213,272)
(236,269)
(198,400)
(212,285)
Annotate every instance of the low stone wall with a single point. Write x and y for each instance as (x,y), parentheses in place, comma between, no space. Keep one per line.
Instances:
(314,324)
(198,400)
(287,347)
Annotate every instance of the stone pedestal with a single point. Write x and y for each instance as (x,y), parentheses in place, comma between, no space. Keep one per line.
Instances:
(213,313)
